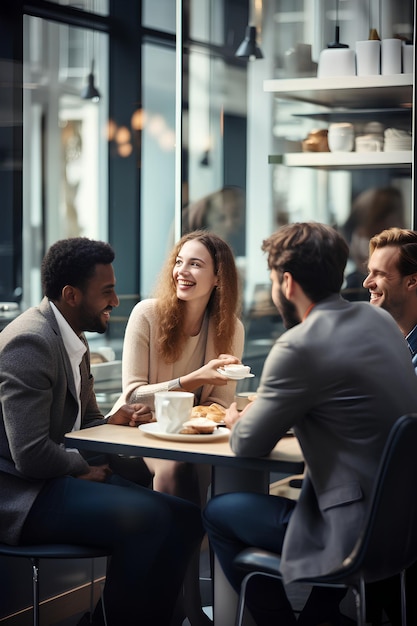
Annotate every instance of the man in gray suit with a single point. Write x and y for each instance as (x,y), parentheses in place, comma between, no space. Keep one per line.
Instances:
(50,494)
(331,379)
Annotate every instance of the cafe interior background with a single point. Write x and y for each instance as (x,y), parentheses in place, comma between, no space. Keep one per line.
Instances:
(119,118)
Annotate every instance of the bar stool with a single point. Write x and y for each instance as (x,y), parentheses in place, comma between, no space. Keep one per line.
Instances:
(52,551)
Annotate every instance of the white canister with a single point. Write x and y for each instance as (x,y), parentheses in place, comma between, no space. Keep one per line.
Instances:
(336,62)
(341,137)
(391,56)
(408,58)
(368,57)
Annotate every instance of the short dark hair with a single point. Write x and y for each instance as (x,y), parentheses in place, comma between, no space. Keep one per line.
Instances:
(406,242)
(314,254)
(72,262)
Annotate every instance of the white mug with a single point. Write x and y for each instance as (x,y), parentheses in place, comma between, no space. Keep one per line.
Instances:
(368,54)
(243,399)
(341,137)
(172,409)
(391,56)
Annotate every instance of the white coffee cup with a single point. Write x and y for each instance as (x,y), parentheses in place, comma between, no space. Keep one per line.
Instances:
(368,57)
(341,137)
(243,399)
(391,56)
(172,409)
(237,369)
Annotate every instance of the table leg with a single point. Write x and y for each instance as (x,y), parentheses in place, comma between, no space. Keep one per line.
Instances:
(226,479)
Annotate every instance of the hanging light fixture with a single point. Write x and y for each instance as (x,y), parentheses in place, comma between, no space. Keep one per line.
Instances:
(249,48)
(90,91)
(336,43)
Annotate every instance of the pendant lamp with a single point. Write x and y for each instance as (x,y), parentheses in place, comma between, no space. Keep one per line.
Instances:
(249,48)
(90,91)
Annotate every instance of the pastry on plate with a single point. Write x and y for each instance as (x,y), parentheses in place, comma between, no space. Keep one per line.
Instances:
(214,412)
(198,426)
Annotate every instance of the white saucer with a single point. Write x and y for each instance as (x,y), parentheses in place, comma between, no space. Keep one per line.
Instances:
(234,376)
(153,429)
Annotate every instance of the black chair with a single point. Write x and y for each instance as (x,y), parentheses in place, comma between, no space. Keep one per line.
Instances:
(51,551)
(387,544)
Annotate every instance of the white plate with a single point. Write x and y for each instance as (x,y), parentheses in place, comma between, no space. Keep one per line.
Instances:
(153,429)
(234,376)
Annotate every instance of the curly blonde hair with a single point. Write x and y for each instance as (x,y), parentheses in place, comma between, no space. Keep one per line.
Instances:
(223,307)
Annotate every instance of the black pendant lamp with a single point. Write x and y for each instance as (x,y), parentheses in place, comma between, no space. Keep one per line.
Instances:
(90,91)
(249,48)
(336,43)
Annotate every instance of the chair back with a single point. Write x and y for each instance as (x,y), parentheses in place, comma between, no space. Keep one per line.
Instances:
(388,542)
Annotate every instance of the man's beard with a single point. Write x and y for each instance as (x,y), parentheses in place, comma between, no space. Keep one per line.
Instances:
(288,312)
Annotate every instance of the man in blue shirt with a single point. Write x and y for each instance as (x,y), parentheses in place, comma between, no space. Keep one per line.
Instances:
(392,285)
(392,279)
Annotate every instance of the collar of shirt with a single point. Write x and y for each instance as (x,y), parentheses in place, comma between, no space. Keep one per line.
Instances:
(411,339)
(74,346)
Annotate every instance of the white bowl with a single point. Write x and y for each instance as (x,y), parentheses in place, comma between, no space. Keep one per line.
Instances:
(336,62)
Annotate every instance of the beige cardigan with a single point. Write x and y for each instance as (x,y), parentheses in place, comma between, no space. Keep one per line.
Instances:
(144,373)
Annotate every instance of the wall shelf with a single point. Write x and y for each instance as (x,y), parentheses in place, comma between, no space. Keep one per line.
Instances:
(347,91)
(345,160)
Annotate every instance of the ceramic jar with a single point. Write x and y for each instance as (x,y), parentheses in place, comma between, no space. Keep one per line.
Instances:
(341,137)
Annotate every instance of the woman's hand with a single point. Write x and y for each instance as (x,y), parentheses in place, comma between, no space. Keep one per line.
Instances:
(208,374)
(131,415)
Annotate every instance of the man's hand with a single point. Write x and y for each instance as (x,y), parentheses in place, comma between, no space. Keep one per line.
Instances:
(97,473)
(232,415)
(131,415)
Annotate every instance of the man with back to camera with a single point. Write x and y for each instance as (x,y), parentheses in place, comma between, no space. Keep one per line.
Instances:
(50,494)
(392,285)
(326,378)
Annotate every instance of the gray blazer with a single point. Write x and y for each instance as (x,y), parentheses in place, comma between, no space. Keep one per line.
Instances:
(340,379)
(38,406)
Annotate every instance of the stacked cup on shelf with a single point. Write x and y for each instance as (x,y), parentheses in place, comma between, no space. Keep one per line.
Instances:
(372,139)
(387,57)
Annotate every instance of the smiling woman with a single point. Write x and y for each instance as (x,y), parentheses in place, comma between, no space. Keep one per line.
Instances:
(178,340)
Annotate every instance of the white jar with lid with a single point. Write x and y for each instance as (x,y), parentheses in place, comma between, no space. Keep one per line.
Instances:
(341,137)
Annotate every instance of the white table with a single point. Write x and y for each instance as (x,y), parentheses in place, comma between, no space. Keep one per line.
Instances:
(229,473)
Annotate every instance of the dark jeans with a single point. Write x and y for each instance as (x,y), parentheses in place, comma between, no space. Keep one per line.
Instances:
(150,535)
(238,520)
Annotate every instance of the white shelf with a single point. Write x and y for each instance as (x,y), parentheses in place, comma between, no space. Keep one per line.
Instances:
(347,91)
(345,160)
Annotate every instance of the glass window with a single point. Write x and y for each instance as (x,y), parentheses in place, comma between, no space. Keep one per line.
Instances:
(65,143)
(159,14)
(94,6)
(157,120)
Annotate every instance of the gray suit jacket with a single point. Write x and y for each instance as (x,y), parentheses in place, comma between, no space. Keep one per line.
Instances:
(38,406)
(340,379)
